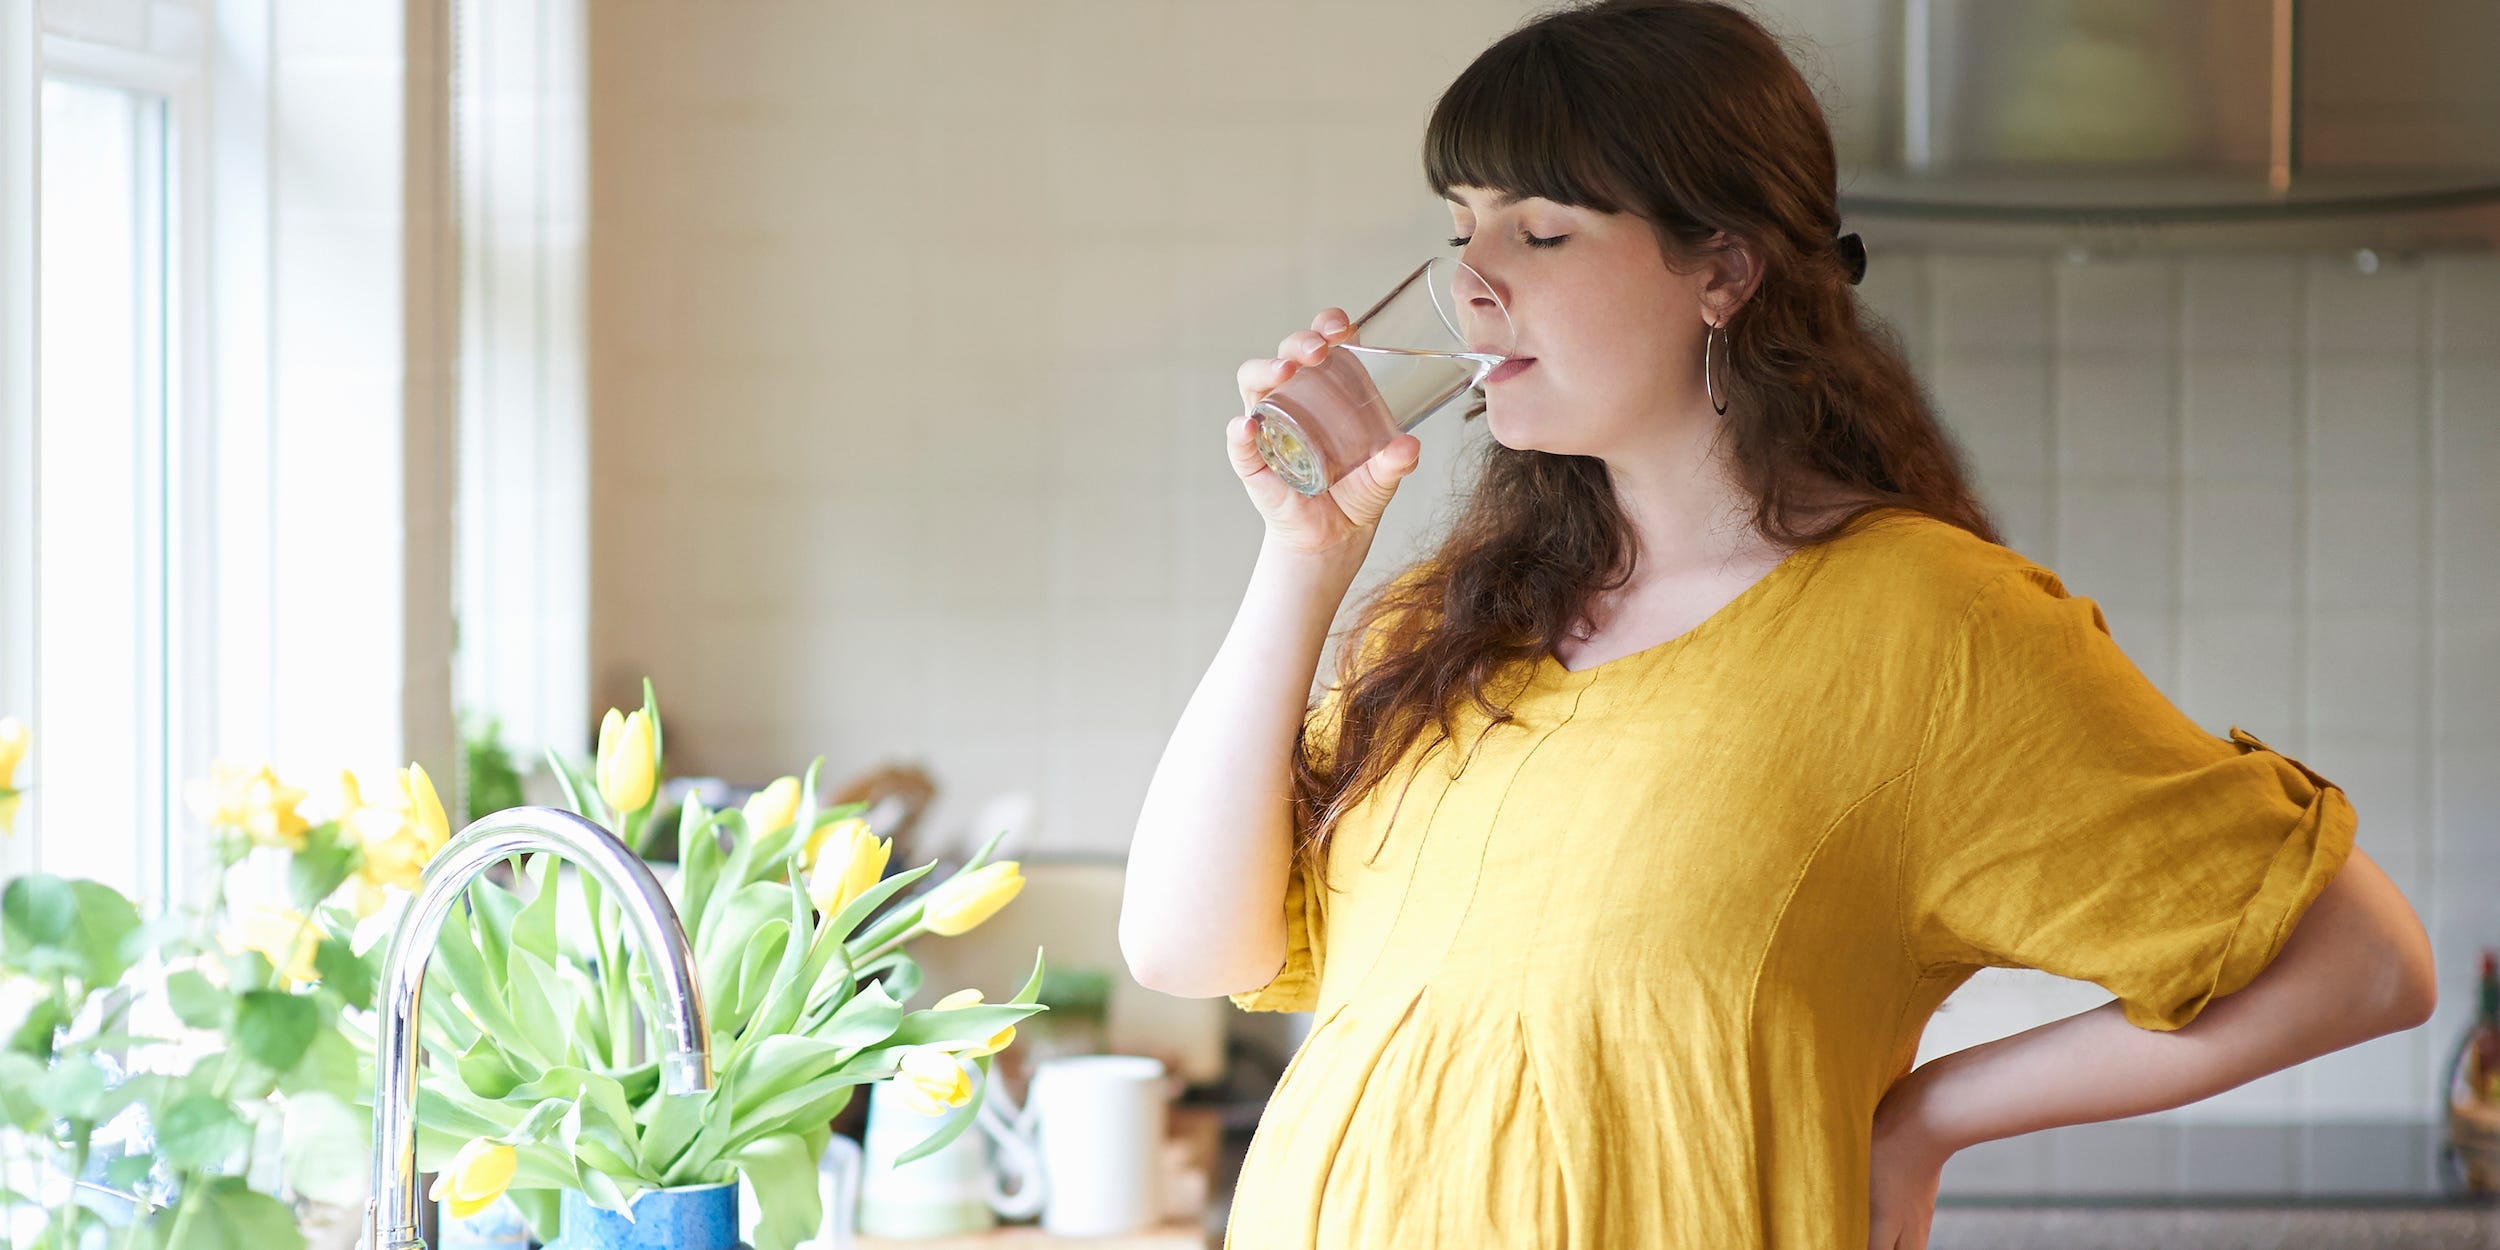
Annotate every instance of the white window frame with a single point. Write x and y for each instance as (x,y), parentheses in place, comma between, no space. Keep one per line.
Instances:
(158,48)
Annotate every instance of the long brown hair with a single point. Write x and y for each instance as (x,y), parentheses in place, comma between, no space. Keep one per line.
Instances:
(1688,114)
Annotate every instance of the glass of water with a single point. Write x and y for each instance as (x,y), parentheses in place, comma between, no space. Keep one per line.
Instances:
(1424,344)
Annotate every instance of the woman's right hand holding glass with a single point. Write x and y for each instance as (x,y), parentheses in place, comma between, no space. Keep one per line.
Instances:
(1350,508)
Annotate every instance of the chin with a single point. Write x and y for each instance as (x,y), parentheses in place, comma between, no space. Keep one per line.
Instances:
(1520,429)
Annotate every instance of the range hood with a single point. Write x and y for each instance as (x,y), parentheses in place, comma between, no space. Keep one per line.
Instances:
(2125,125)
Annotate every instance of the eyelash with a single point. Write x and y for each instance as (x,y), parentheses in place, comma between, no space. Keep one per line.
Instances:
(1530,239)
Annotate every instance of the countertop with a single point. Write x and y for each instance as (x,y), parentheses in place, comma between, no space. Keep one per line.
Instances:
(2424,1224)
(1169,1237)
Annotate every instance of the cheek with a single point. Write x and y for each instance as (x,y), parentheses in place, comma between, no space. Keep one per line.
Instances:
(1612,347)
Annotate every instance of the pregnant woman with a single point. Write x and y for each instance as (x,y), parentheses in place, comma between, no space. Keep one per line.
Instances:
(1647,819)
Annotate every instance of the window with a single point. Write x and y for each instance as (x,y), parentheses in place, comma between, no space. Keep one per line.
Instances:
(102,377)
(101,435)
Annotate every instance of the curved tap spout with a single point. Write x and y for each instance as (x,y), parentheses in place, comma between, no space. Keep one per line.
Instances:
(686,1065)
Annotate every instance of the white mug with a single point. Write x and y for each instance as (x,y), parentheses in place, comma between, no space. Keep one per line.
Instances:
(1088,1144)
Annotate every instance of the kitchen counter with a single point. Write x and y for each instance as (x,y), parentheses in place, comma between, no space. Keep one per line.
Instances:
(2412,1224)
(1028,1237)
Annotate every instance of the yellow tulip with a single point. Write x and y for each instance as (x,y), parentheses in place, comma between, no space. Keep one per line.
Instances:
(967,900)
(849,865)
(840,833)
(424,807)
(13,742)
(932,1081)
(475,1177)
(281,935)
(999,1041)
(773,808)
(625,766)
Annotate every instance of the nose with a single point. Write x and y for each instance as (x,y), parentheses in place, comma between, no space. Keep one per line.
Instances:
(1487,314)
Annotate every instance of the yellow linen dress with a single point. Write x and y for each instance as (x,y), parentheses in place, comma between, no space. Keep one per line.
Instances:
(1635,969)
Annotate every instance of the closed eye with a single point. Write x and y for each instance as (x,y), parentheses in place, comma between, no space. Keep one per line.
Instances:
(1524,237)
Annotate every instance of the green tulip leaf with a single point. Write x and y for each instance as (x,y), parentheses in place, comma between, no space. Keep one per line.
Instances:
(870,1017)
(465,969)
(750,984)
(540,1005)
(961,1024)
(871,899)
(540,1209)
(492,913)
(486,1070)
(788,1208)
(541,1120)
(1032,991)
(814,1103)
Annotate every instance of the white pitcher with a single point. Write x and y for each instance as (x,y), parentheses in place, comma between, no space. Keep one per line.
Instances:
(951,1191)
(1087,1147)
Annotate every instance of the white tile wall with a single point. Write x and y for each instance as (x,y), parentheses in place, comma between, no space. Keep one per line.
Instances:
(914,327)
(2273,473)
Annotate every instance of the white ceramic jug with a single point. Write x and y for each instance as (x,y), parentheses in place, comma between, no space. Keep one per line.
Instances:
(1087,1147)
(950,1192)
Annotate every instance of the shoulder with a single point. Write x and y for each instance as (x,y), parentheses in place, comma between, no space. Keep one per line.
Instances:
(1915,569)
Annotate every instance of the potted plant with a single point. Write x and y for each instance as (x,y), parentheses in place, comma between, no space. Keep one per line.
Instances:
(540,1088)
(174,1081)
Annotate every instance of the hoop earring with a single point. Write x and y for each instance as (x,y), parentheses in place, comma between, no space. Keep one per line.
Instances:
(1719,332)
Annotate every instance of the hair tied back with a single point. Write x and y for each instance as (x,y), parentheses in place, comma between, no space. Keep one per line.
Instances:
(1853,254)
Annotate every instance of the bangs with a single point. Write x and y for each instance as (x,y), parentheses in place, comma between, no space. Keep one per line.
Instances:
(1513,123)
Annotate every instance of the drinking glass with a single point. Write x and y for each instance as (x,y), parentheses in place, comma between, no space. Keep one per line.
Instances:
(1425,343)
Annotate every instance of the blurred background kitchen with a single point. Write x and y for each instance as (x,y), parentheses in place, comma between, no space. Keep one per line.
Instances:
(856,370)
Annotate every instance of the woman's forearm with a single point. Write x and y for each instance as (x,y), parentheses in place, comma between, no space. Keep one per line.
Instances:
(1202,910)
(2357,966)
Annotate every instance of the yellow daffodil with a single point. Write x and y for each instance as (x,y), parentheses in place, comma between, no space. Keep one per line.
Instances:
(967,900)
(252,800)
(475,1177)
(932,1081)
(281,936)
(774,807)
(13,743)
(848,864)
(425,808)
(13,740)
(999,1041)
(625,764)
(400,835)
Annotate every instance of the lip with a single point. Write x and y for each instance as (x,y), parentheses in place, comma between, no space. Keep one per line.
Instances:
(1509,369)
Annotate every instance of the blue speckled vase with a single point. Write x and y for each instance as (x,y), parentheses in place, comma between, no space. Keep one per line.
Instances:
(697,1217)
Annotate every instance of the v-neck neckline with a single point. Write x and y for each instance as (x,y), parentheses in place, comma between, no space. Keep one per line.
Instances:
(1789,567)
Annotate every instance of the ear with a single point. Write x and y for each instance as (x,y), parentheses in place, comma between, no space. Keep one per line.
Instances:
(1729,274)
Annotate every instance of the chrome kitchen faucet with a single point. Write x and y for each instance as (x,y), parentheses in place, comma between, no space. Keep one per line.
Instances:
(685,1067)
